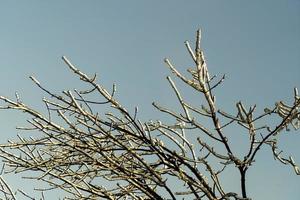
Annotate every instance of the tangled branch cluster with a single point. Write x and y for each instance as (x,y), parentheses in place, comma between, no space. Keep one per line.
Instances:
(92,155)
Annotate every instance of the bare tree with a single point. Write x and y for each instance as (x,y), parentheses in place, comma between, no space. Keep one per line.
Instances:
(113,155)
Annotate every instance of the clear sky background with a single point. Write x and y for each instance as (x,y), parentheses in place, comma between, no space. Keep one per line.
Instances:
(256,43)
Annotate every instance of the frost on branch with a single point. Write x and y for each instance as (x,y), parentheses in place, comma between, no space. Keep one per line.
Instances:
(292,113)
(89,145)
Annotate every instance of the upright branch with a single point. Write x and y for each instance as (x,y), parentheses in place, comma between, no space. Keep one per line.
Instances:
(92,154)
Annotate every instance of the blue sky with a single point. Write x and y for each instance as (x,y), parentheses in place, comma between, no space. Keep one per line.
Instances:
(256,43)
